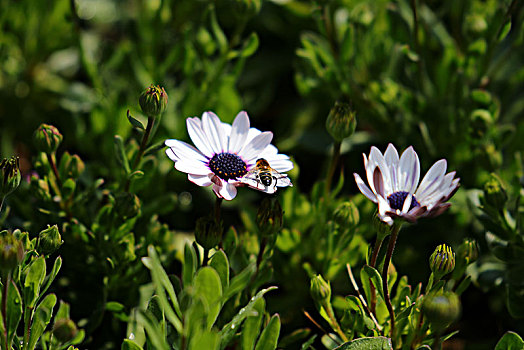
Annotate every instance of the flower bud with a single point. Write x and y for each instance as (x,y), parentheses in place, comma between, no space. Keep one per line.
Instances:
(442,261)
(269,216)
(346,215)
(47,138)
(153,101)
(49,240)
(320,290)
(468,251)
(341,121)
(208,233)
(71,166)
(65,330)
(494,193)
(381,228)
(9,176)
(127,205)
(441,309)
(11,252)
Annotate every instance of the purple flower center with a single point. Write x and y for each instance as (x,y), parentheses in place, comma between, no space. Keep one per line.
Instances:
(396,200)
(227,166)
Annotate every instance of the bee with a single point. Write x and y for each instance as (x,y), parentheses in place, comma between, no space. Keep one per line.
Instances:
(264,174)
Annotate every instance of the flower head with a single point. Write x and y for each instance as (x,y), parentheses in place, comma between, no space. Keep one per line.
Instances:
(393,185)
(226,155)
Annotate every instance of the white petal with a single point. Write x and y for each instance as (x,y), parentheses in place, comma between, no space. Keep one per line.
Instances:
(281,165)
(212,126)
(252,133)
(432,180)
(226,191)
(383,208)
(376,159)
(391,157)
(197,135)
(239,132)
(408,171)
(185,151)
(284,182)
(192,167)
(172,155)
(200,180)
(253,149)
(407,203)
(270,151)
(364,189)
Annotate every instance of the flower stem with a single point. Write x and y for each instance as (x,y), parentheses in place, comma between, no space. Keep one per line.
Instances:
(332,167)
(141,149)
(334,323)
(391,247)
(372,263)
(218,205)
(52,162)
(4,311)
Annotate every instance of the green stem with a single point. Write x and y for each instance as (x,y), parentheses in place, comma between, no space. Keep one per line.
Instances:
(4,310)
(2,203)
(372,263)
(391,247)
(205,258)
(334,323)
(142,148)
(416,42)
(218,205)
(332,167)
(52,162)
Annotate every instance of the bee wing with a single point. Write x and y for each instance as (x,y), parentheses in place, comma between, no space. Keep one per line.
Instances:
(281,179)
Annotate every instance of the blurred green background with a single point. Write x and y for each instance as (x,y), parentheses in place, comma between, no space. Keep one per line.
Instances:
(444,76)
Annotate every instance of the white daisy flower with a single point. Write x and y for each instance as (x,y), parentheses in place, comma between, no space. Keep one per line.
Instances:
(225,153)
(393,185)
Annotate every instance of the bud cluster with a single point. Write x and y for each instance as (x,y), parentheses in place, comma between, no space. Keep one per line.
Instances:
(346,215)
(494,192)
(208,232)
(320,290)
(11,252)
(341,121)
(47,138)
(49,240)
(441,308)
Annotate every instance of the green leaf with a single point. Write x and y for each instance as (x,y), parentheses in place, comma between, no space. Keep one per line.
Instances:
(137,174)
(154,148)
(375,278)
(135,122)
(375,343)
(251,328)
(221,265)
(463,285)
(153,330)
(33,280)
(269,337)
(505,31)
(114,306)
(208,286)
(120,153)
(250,46)
(162,286)
(68,188)
(190,265)
(218,33)
(41,319)
(130,345)
(206,339)
(14,311)
(510,341)
(63,311)
(240,281)
(228,331)
(52,275)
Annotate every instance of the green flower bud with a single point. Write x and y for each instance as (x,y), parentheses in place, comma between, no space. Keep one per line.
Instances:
(476,25)
(320,290)
(208,233)
(11,252)
(65,330)
(127,205)
(441,308)
(468,251)
(269,216)
(491,157)
(341,121)
(49,240)
(494,193)
(9,176)
(346,215)
(153,101)
(442,261)
(47,138)
(71,166)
